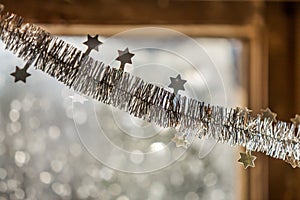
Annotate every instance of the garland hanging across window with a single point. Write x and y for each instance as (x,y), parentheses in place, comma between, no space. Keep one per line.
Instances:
(234,126)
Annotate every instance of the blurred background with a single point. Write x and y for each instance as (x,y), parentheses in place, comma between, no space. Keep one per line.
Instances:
(232,53)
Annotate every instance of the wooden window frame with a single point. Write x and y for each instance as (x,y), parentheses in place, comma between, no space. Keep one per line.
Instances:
(235,19)
(253,182)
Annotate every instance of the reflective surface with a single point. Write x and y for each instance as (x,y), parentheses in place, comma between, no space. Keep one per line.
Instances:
(41,155)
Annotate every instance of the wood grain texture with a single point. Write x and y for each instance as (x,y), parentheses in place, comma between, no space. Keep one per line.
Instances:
(132,11)
(258,99)
(283,34)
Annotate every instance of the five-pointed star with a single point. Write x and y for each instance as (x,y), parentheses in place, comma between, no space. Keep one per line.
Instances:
(296,120)
(20,74)
(124,57)
(78,98)
(93,43)
(179,141)
(292,162)
(268,114)
(247,159)
(246,110)
(177,83)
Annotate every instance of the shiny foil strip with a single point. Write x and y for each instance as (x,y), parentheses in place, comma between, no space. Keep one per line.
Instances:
(234,126)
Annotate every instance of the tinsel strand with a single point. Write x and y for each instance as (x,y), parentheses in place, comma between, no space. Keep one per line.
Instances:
(155,104)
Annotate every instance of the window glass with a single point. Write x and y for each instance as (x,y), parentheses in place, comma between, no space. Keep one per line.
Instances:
(54,147)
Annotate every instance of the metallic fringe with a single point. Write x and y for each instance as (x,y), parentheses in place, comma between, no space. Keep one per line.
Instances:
(67,64)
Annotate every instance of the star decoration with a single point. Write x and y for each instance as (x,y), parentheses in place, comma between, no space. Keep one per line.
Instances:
(20,74)
(247,110)
(124,57)
(247,159)
(78,98)
(292,162)
(268,114)
(93,43)
(177,83)
(180,141)
(296,120)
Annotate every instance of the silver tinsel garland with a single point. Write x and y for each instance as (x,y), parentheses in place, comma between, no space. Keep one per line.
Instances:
(235,126)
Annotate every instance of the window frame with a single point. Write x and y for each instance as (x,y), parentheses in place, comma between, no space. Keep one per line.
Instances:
(253,182)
